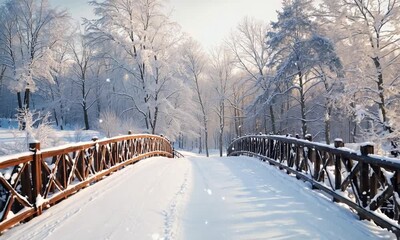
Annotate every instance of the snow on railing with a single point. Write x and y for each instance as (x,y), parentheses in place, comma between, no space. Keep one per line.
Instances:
(368,183)
(36,180)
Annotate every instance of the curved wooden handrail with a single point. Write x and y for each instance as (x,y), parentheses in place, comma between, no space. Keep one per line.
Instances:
(33,181)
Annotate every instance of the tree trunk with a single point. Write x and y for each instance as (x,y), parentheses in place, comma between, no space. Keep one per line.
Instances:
(381,89)
(19,100)
(203,110)
(86,117)
(206,136)
(327,122)
(236,116)
(273,124)
(382,105)
(220,143)
(154,122)
(200,144)
(55,117)
(354,133)
(2,73)
(22,124)
(221,127)
(302,104)
(27,98)
(84,108)
(61,121)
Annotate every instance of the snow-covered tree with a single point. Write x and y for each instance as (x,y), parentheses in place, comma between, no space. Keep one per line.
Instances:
(37,127)
(29,35)
(238,92)
(83,56)
(145,41)
(194,68)
(221,74)
(298,49)
(247,43)
(369,30)
(56,98)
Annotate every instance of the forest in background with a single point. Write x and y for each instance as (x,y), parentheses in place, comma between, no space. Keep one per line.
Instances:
(326,68)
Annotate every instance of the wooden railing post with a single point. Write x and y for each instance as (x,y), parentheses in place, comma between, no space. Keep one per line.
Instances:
(96,156)
(297,159)
(374,180)
(364,174)
(270,148)
(396,183)
(36,176)
(338,165)
(81,165)
(316,162)
(308,137)
(282,152)
(306,157)
(288,155)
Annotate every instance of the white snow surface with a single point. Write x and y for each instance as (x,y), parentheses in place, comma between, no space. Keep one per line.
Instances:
(198,198)
(13,141)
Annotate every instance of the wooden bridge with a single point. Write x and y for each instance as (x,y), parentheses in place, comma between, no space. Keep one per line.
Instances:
(32,182)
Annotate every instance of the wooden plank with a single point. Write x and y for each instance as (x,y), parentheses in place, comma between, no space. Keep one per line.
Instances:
(14,161)
(17,218)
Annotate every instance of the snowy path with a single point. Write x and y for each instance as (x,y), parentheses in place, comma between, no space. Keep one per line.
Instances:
(198,198)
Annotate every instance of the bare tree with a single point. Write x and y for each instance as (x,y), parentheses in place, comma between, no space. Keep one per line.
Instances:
(194,61)
(236,100)
(83,58)
(221,75)
(247,43)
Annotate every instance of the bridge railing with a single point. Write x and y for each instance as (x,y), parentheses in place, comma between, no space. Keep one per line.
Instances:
(36,180)
(366,182)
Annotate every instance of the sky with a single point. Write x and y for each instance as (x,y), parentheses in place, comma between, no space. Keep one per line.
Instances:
(207,21)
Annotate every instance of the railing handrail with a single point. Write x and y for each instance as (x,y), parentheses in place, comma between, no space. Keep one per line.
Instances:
(387,162)
(24,156)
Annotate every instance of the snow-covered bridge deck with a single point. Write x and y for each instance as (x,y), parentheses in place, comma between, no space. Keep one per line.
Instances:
(198,198)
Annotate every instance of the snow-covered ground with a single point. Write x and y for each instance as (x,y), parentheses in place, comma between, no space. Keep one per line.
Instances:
(198,198)
(12,139)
